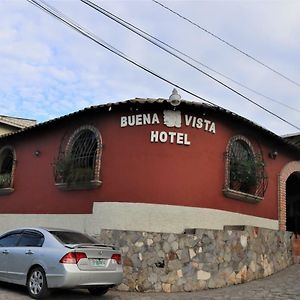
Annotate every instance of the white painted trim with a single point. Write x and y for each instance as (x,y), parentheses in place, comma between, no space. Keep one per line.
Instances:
(137,217)
(168,218)
(71,221)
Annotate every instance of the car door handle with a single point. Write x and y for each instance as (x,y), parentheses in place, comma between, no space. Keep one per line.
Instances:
(5,252)
(29,252)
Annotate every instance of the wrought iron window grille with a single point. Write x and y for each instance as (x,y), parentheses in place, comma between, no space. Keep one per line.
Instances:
(77,165)
(245,172)
(7,164)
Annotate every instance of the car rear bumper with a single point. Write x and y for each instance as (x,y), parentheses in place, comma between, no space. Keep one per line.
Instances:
(75,278)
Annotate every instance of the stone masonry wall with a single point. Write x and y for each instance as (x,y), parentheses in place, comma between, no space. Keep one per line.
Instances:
(206,259)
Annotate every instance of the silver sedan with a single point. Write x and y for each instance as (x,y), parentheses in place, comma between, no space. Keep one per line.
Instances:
(44,258)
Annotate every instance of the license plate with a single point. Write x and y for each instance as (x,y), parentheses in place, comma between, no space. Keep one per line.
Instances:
(98,262)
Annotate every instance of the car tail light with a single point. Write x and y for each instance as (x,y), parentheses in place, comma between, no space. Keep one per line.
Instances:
(72,257)
(117,258)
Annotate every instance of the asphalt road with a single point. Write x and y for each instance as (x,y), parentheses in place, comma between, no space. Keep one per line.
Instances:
(284,285)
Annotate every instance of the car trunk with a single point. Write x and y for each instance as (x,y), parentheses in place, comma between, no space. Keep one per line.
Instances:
(97,258)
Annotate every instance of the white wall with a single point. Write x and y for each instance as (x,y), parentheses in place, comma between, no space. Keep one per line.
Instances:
(138,217)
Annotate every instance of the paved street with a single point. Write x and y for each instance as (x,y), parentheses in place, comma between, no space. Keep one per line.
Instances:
(283,285)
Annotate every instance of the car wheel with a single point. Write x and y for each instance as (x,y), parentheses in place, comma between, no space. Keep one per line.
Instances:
(98,291)
(37,283)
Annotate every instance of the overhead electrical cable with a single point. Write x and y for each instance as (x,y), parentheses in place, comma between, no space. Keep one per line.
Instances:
(228,44)
(52,11)
(126,25)
(55,13)
(148,37)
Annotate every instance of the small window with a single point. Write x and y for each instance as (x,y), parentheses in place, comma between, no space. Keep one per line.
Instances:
(10,240)
(31,239)
(83,154)
(7,161)
(245,172)
(78,164)
(242,168)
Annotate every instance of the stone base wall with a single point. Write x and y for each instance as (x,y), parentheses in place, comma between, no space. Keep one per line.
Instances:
(205,259)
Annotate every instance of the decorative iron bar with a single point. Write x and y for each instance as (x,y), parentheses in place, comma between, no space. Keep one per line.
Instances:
(7,162)
(76,163)
(246,170)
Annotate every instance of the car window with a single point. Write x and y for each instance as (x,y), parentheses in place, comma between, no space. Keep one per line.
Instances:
(31,239)
(10,240)
(69,237)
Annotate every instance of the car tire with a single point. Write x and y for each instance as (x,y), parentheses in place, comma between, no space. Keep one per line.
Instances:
(98,291)
(37,283)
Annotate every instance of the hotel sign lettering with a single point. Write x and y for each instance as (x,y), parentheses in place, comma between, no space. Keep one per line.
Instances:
(171,119)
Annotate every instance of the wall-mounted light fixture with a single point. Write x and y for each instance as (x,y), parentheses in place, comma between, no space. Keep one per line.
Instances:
(37,153)
(273,154)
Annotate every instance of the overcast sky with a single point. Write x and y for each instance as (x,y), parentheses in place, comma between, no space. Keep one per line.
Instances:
(49,70)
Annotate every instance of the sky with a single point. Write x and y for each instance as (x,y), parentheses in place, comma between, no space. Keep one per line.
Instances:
(49,70)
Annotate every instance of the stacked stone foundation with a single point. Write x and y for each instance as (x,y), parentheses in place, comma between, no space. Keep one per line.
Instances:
(199,259)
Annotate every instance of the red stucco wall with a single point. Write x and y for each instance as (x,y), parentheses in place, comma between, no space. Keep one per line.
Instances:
(135,170)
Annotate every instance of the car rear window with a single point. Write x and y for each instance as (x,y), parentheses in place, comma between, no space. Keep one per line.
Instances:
(69,237)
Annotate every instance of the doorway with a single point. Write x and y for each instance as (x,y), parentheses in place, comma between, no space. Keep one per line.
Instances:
(293,203)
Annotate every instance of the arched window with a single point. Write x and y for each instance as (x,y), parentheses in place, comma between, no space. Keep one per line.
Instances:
(245,172)
(7,166)
(78,165)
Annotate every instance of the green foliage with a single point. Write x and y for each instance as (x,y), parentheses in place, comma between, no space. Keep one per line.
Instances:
(68,171)
(5,180)
(79,175)
(246,174)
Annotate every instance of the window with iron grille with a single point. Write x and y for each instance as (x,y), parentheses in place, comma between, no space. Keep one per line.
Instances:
(78,164)
(245,171)
(7,163)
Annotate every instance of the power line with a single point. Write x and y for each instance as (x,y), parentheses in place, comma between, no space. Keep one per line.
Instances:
(50,10)
(126,25)
(143,33)
(227,43)
(55,13)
